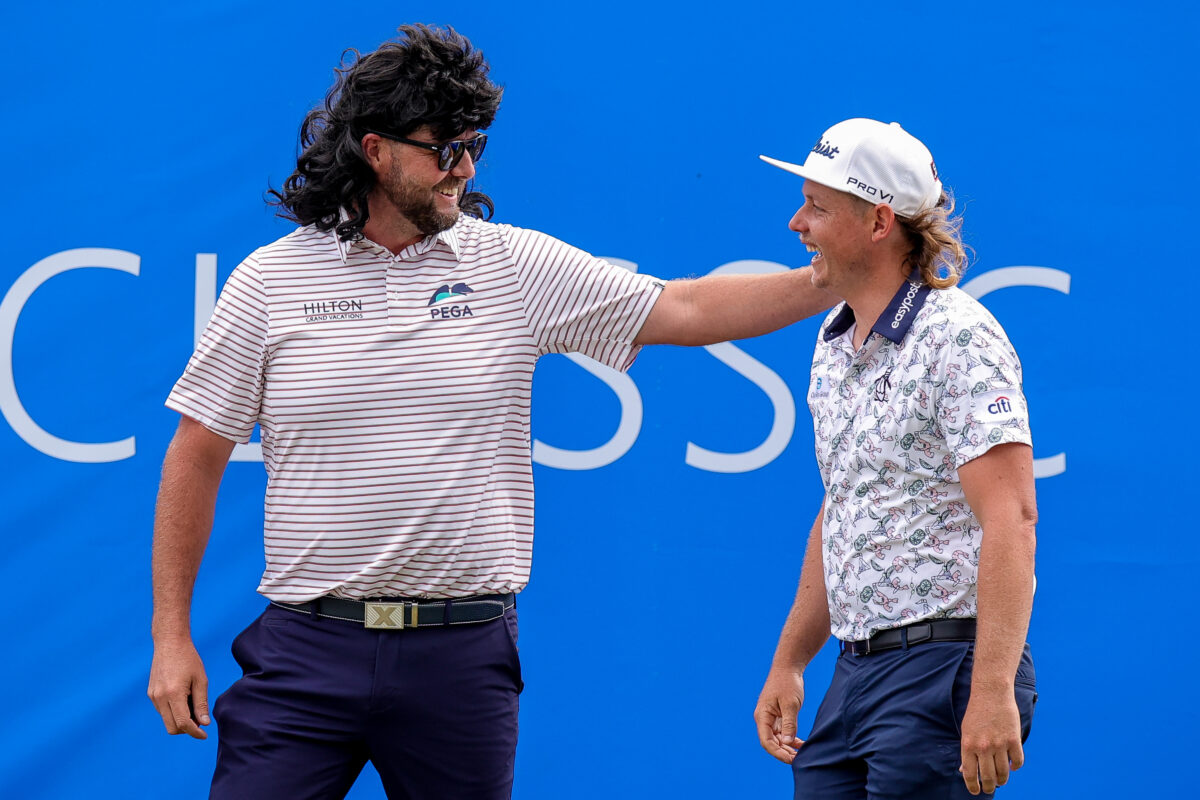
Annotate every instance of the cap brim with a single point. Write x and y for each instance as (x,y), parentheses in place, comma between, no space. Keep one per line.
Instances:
(795,169)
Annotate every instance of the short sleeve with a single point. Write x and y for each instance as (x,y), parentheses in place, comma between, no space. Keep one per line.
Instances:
(577,303)
(979,402)
(223,383)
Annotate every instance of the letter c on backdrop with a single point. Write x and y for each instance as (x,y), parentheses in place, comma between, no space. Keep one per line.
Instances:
(1042,278)
(10,309)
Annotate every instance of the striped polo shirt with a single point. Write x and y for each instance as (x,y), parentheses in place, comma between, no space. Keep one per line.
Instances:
(393,396)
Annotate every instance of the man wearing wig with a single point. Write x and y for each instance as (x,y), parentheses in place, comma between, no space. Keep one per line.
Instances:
(386,349)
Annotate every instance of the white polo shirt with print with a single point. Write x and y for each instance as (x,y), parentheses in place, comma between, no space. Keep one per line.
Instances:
(935,384)
(393,396)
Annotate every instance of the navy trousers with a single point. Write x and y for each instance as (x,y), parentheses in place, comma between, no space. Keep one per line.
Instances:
(890,725)
(434,709)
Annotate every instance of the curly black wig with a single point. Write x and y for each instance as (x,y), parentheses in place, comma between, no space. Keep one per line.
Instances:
(426,76)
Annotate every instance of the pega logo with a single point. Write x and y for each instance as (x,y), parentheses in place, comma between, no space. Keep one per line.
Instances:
(446,292)
(823,148)
(1001,406)
(450,312)
(871,190)
(905,305)
(325,310)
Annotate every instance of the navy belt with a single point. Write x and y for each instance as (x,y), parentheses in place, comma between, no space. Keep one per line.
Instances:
(931,630)
(397,613)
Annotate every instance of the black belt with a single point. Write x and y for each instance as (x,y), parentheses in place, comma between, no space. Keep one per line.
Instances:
(396,613)
(931,630)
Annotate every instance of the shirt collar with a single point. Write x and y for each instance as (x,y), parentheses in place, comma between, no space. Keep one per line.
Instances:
(893,324)
(449,237)
(446,237)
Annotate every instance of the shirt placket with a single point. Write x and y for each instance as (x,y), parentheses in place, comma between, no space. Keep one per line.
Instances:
(400,303)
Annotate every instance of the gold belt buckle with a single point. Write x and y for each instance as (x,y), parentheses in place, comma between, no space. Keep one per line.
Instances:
(384,616)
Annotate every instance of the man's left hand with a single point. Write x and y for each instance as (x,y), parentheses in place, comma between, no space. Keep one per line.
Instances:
(991,740)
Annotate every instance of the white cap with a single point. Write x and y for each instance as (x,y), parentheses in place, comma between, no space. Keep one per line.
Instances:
(878,162)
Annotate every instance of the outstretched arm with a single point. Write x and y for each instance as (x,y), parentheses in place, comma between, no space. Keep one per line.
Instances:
(721,308)
(183,519)
(804,633)
(999,488)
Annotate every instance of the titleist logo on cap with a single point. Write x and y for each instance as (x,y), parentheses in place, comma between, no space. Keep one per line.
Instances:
(823,148)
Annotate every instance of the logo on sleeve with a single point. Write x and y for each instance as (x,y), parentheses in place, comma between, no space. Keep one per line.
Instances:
(1002,405)
(439,309)
(999,405)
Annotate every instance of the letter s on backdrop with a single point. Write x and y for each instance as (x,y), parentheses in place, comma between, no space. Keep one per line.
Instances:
(783,423)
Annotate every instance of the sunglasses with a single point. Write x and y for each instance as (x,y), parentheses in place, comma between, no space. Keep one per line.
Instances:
(449,153)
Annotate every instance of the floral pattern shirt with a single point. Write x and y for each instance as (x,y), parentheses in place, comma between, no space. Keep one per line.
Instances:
(935,384)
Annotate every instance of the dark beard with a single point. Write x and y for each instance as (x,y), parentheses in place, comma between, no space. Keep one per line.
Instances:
(419,207)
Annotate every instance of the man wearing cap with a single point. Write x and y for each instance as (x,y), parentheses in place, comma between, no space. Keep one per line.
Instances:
(386,349)
(920,561)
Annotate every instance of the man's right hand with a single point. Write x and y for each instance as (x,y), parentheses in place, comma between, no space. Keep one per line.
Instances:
(778,705)
(179,688)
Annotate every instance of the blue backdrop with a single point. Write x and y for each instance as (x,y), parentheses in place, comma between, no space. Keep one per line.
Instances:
(139,140)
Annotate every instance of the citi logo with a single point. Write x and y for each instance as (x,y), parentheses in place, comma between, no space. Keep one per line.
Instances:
(884,197)
(905,305)
(823,148)
(1001,406)
(446,291)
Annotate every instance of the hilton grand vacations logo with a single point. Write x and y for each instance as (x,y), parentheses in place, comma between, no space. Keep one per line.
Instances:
(328,310)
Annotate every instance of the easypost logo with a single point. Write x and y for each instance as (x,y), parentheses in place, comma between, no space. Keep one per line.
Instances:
(905,305)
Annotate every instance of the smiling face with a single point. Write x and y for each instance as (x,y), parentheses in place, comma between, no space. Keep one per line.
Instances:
(836,227)
(412,192)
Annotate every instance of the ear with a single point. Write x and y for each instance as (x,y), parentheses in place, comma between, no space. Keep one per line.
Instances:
(374,152)
(883,222)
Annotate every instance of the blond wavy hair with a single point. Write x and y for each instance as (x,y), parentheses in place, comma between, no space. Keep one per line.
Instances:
(936,249)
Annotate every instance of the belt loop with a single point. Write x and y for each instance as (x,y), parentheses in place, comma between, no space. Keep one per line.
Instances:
(446,612)
(904,637)
(314,607)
